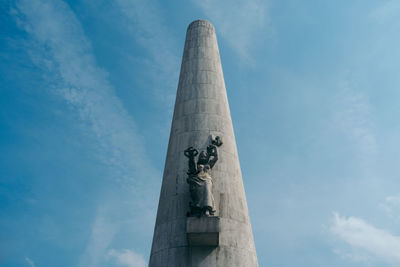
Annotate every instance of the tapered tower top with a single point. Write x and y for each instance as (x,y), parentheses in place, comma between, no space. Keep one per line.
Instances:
(200,22)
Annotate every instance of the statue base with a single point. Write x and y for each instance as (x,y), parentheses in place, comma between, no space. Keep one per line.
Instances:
(203,231)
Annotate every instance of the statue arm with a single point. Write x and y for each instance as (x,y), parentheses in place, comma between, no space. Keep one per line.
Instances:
(214,154)
(192,171)
(188,152)
(191,154)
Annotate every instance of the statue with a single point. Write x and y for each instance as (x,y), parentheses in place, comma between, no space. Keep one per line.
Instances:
(200,180)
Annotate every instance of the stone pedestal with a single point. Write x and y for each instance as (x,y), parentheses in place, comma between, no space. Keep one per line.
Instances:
(203,231)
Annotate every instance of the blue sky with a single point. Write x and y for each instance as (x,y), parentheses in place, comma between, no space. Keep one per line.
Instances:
(87,92)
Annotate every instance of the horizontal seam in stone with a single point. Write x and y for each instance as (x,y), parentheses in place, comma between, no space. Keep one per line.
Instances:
(181,132)
(203,83)
(191,131)
(196,26)
(195,113)
(195,98)
(188,246)
(160,250)
(223,117)
(192,43)
(188,58)
(205,99)
(208,70)
(216,101)
(176,219)
(238,248)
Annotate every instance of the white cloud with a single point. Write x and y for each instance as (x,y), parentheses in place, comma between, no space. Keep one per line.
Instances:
(102,233)
(387,12)
(143,21)
(366,240)
(64,52)
(353,255)
(391,206)
(393,200)
(353,118)
(127,257)
(30,262)
(240,22)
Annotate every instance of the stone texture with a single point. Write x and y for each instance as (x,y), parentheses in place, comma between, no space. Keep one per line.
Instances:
(203,231)
(201,110)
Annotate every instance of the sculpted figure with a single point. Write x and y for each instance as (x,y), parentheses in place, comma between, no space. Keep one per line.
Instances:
(200,180)
(191,154)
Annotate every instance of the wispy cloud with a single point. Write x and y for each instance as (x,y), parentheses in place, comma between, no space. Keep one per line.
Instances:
(393,200)
(114,218)
(240,22)
(353,118)
(391,206)
(127,257)
(143,21)
(366,240)
(60,47)
(64,52)
(387,11)
(30,262)
(102,233)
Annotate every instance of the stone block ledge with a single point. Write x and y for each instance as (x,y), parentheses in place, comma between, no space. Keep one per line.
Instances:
(203,231)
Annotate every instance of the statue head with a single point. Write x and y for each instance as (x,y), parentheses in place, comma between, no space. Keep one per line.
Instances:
(203,158)
(200,167)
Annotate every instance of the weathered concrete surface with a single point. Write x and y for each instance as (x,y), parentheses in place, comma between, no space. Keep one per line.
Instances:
(201,110)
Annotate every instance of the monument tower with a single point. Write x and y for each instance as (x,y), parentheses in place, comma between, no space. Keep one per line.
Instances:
(202,217)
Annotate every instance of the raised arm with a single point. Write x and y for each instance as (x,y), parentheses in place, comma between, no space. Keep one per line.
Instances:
(212,151)
(191,154)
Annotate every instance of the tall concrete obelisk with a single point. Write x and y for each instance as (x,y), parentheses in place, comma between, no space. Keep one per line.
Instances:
(201,113)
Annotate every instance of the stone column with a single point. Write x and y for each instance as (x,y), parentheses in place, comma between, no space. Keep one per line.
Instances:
(202,111)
